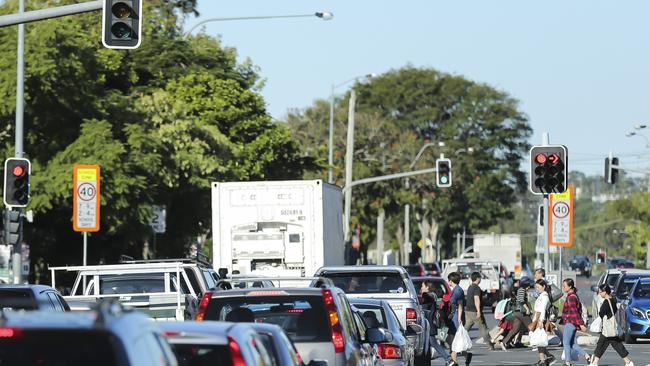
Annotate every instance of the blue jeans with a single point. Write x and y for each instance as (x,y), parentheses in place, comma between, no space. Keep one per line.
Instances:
(569,342)
(439,348)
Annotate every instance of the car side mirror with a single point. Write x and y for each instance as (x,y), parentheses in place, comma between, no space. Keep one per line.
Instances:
(414,330)
(594,288)
(378,335)
(317,363)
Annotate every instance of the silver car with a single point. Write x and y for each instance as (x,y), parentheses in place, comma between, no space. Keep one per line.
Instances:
(378,314)
(216,343)
(283,351)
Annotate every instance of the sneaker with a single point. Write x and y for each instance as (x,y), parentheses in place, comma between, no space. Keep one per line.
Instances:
(567,364)
(588,359)
(630,364)
(503,346)
(452,363)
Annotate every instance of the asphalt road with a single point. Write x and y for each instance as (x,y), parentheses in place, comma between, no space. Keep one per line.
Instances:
(640,353)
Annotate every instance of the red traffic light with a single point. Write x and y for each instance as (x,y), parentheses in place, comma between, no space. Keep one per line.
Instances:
(540,159)
(554,159)
(18,171)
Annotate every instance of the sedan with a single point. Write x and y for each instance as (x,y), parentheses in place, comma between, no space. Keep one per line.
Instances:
(397,350)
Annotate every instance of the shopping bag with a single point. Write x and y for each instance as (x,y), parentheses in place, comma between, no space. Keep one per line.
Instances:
(596,326)
(500,310)
(462,342)
(611,328)
(539,338)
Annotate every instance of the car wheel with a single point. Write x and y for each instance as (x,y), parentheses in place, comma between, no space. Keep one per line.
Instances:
(629,339)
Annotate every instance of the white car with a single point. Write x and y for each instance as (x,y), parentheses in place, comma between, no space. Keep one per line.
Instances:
(610,277)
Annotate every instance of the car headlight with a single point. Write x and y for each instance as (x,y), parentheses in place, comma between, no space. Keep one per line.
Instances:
(638,313)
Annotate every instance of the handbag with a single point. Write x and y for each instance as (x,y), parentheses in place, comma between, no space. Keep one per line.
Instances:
(611,328)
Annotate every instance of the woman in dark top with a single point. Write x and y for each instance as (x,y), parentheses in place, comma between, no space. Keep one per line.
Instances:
(608,310)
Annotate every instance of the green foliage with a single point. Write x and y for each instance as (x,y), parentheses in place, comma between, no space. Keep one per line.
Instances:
(400,111)
(162,121)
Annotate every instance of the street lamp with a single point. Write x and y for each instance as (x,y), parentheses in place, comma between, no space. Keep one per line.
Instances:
(325,15)
(330,155)
(632,133)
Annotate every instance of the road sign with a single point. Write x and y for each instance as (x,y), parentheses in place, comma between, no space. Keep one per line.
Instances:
(85,196)
(158,221)
(561,219)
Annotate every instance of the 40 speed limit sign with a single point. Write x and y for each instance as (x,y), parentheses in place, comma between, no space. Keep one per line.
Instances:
(561,218)
(85,197)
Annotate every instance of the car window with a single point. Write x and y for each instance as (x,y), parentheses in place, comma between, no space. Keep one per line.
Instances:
(192,277)
(642,291)
(373,316)
(303,318)
(361,327)
(132,284)
(202,355)
(612,278)
(61,347)
(267,340)
(66,307)
(348,321)
(262,356)
(19,299)
(625,286)
(601,280)
(55,301)
(284,342)
(209,280)
(439,286)
(368,282)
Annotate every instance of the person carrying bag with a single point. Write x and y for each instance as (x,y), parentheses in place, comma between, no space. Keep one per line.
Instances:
(538,336)
(611,331)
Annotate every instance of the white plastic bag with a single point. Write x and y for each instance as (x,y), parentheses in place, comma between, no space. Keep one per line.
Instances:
(462,342)
(597,325)
(538,338)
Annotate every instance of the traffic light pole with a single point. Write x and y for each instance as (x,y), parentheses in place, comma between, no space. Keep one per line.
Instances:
(51,13)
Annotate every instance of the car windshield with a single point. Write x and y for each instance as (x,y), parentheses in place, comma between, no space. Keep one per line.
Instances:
(303,318)
(612,278)
(642,291)
(132,285)
(69,348)
(19,299)
(626,284)
(373,316)
(368,282)
(202,355)
(466,269)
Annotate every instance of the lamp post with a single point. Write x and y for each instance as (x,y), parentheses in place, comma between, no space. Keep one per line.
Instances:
(325,15)
(330,154)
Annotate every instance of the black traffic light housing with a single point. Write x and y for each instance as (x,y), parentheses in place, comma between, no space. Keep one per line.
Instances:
(16,182)
(611,170)
(601,257)
(12,222)
(443,172)
(122,24)
(548,169)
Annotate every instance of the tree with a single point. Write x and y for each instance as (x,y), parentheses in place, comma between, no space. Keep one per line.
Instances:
(162,121)
(411,106)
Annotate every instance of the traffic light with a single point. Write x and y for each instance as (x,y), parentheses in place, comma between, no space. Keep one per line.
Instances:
(548,169)
(122,24)
(16,183)
(12,226)
(600,257)
(443,172)
(611,170)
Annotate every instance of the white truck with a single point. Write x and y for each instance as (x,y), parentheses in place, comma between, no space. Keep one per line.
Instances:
(277,228)
(506,248)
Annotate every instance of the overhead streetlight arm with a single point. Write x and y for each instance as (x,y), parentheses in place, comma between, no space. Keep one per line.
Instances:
(388,177)
(419,154)
(323,15)
(647,142)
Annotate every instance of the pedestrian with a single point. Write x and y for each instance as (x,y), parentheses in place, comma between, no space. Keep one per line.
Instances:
(555,294)
(457,303)
(473,307)
(542,305)
(429,306)
(606,312)
(572,320)
(505,324)
(521,315)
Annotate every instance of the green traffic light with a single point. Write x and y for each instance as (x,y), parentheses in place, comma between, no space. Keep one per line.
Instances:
(444,180)
(121,30)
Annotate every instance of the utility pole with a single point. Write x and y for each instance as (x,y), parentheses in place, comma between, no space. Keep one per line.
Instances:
(380,237)
(348,163)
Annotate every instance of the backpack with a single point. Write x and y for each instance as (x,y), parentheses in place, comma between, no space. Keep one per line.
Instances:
(501,309)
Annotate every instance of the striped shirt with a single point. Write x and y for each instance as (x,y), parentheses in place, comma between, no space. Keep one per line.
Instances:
(522,296)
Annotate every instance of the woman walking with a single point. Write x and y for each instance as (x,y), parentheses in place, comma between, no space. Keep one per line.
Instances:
(608,312)
(542,305)
(572,320)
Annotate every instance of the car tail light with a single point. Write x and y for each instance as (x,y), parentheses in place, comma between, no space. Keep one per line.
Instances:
(6,332)
(203,306)
(411,316)
(299,358)
(335,323)
(171,334)
(236,356)
(389,351)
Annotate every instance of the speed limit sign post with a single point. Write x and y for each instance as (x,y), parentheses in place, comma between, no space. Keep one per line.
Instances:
(85,207)
(561,219)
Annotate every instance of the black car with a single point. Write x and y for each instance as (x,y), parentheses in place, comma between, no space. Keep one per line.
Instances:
(619,263)
(31,297)
(581,264)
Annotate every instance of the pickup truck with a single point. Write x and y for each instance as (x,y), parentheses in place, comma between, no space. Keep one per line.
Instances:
(389,283)
(163,289)
(493,287)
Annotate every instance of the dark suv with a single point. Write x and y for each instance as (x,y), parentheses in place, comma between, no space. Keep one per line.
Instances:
(581,264)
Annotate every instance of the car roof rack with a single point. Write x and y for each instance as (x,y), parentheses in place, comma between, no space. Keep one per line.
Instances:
(199,259)
(225,284)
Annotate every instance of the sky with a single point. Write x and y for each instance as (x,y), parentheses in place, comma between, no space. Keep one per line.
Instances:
(579,68)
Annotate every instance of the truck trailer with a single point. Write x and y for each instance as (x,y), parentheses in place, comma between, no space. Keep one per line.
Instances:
(277,228)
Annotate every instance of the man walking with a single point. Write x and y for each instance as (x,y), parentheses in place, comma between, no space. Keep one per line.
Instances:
(473,307)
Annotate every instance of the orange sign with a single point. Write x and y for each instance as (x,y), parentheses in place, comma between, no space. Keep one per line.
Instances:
(85,198)
(560,231)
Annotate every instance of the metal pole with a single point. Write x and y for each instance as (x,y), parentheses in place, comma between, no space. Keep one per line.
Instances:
(330,156)
(560,265)
(380,237)
(545,241)
(407,234)
(85,259)
(348,163)
(458,245)
(43,14)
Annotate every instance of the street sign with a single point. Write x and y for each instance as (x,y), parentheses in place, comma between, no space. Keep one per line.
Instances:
(85,196)
(561,219)
(158,221)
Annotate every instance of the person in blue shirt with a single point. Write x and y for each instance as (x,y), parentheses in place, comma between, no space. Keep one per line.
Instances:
(457,303)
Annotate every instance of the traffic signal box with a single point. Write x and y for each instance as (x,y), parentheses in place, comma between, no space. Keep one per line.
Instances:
(122,24)
(611,170)
(16,182)
(601,257)
(443,172)
(548,169)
